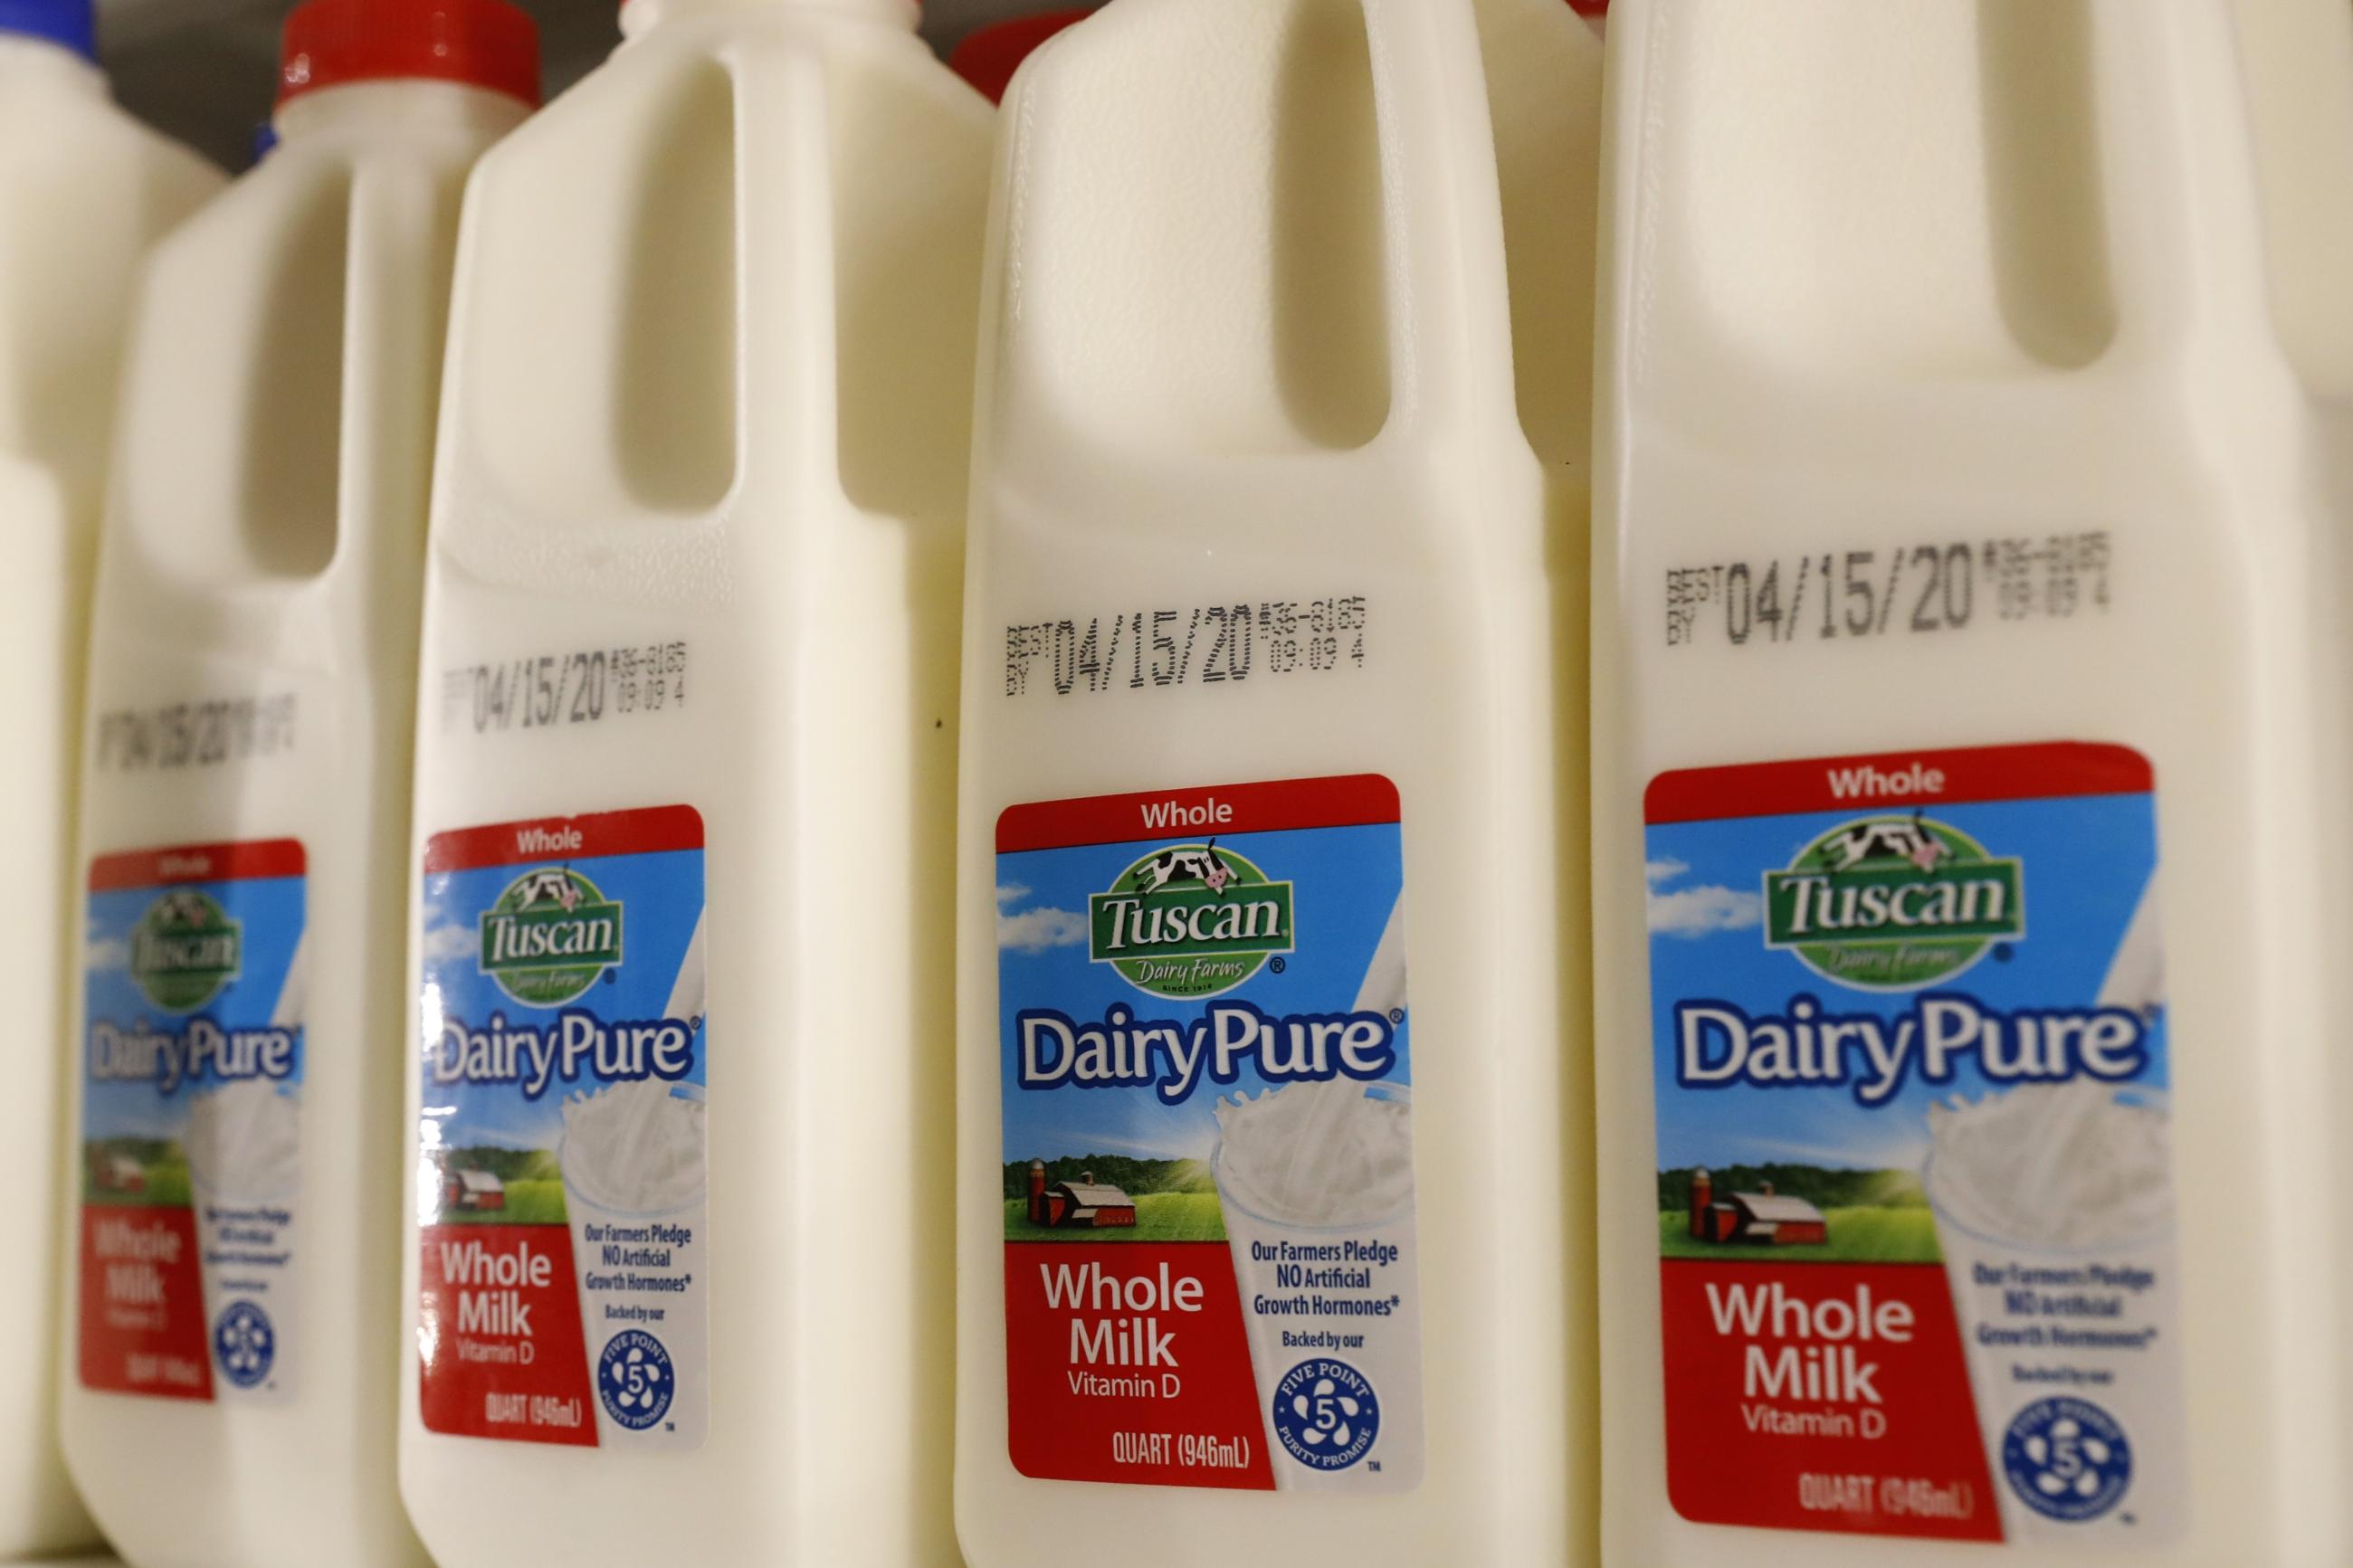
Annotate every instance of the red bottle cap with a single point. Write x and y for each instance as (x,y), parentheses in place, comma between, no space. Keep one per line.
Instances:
(988,58)
(481,43)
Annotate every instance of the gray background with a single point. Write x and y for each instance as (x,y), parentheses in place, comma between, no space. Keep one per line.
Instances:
(204,70)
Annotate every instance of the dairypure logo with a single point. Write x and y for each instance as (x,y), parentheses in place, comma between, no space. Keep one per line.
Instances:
(1189,921)
(1893,903)
(185,950)
(550,936)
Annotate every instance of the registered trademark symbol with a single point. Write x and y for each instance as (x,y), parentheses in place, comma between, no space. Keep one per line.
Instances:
(610,977)
(2002,953)
(1278,966)
(1397,1014)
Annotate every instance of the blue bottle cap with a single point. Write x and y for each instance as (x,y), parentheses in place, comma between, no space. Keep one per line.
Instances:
(71,23)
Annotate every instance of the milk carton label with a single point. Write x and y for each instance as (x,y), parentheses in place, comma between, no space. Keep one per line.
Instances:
(1209,1259)
(563,1285)
(191,1123)
(1918,1269)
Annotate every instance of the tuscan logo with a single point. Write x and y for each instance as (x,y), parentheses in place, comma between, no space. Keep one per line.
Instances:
(1893,903)
(550,936)
(185,950)
(1189,921)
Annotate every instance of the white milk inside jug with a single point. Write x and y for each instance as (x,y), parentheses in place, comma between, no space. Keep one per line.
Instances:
(1957,745)
(2298,58)
(232,1308)
(84,190)
(682,1291)
(1274,685)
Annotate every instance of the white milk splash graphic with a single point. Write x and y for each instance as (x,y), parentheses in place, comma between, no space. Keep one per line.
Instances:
(1316,1154)
(2053,1166)
(244,1147)
(2054,1211)
(635,1148)
(1315,1185)
(244,1141)
(635,1168)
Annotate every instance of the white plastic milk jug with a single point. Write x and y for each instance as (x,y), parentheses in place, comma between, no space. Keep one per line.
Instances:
(1961,651)
(84,190)
(1275,678)
(233,1305)
(678,1274)
(2298,58)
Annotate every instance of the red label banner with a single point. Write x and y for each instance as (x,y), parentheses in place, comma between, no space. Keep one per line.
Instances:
(142,1303)
(1127,1362)
(500,1353)
(1897,781)
(1821,1396)
(1269,807)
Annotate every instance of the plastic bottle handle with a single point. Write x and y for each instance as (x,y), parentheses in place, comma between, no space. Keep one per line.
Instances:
(2177,169)
(1450,342)
(786,388)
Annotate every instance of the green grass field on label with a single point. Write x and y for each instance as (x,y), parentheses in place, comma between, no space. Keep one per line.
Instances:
(1857,1236)
(167,1186)
(1159,1216)
(532,1201)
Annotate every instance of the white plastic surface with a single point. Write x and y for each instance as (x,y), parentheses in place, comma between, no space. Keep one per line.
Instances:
(265,539)
(1265,271)
(1878,274)
(2298,58)
(709,384)
(84,190)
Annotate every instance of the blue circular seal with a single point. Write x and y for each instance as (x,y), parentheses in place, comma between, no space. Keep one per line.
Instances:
(244,1343)
(634,1379)
(1326,1414)
(2067,1459)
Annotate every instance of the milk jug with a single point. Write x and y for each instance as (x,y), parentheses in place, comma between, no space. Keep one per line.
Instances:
(84,190)
(1275,695)
(2298,60)
(678,1278)
(1957,738)
(232,1301)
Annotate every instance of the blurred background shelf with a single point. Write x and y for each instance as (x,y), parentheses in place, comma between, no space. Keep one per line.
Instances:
(204,70)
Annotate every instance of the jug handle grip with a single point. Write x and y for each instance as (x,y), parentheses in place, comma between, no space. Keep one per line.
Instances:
(2177,181)
(785,373)
(1449,340)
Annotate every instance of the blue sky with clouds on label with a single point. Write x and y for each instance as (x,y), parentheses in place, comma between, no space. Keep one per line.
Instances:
(1345,882)
(2087,863)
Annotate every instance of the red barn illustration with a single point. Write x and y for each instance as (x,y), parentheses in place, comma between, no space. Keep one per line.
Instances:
(1763,1218)
(117,1173)
(472,1189)
(1084,1205)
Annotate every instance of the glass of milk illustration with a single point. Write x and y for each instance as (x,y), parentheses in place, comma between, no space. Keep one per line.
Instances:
(1315,1185)
(244,1147)
(2054,1211)
(634,1194)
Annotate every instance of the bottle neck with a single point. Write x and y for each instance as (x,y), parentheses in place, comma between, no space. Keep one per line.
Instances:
(29,59)
(642,17)
(407,105)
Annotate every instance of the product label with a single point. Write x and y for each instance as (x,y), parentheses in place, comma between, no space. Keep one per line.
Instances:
(191,1123)
(560,1165)
(1210,1272)
(1918,1267)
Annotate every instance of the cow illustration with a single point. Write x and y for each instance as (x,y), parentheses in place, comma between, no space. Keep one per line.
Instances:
(1182,866)
(189,911)
(549,887)
(1887,840)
